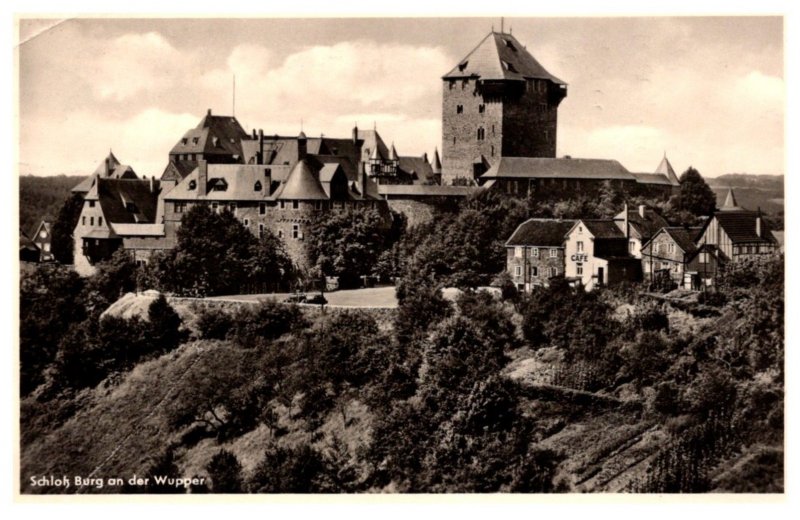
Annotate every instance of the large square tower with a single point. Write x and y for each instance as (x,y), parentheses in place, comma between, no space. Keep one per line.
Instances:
(498,101)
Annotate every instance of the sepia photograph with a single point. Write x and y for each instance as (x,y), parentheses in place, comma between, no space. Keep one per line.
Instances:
(516,255)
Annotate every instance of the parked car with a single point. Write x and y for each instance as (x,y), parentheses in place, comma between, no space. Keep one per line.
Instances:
(296,298)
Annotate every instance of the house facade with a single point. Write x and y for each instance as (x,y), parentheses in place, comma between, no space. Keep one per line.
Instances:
(640,224)
(535,252)
(596,254)
(668,253)
(43,239)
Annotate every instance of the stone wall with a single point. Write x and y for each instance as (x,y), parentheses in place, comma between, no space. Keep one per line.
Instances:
(530,121)
(460,143)
(535,265)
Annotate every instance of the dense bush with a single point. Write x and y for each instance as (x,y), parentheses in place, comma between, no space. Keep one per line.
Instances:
(251,325)
(226,473)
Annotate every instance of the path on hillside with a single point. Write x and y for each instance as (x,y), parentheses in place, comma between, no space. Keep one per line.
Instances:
(376,297)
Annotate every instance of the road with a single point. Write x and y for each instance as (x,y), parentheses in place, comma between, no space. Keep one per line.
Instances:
(382,297)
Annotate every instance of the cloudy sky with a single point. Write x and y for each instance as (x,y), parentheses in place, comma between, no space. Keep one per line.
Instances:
(707,91)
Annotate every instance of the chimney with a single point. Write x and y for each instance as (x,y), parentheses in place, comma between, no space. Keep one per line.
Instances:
(758,223)
(641,210)
(302,144)
(626,230)
(267,181)
(152,183)
(261,146)
(254,134)
(107,167)
(202,177)
(209,112)
(355,134)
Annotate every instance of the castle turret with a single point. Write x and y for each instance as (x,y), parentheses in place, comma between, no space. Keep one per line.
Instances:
(498,101)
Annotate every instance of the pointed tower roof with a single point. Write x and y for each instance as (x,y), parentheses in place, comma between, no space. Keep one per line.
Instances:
(112,162)
(665,168)
(730,202)
(499,56)
(436,164)
(302,184)
(393,154)
(375,155)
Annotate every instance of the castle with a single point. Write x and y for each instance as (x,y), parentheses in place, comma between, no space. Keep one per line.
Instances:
(499,125)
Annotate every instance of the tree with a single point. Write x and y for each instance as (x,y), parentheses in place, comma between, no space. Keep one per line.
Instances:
(62,242)
(216,254)
(226,473)
(695,197)
(348,244)
(291,470)
(164,324)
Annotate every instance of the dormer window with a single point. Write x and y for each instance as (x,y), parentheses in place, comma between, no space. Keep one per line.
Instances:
(215,141)
(195,140)
(509,44)
(184,141)
(192,185)
(508,66)
(257,186)
(462,65)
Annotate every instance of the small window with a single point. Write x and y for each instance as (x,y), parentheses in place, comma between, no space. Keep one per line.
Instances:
(454,139)
(509,44)
(91,203)
(283,204)
(462,66)
(534,271)
(215,207)
(91,221)
(553,271)
(631,246)
(459,109)
(464,83)
(83,221)
(481,108)
(518,252)
(232,207)
(553,253)
(247,222)
(262,209)
(450,84)
(192,185)
(99,221)
(492,151)
(184,141)
(579,269)
(518,270)
(180,207)
(671,248)
(295,204)
(481,134)
(195,140)
(703,258)
(296,231)
(280,233)
(664,265)
(261,231)
(580,229)
(579,246)
(257,186)
(535,252)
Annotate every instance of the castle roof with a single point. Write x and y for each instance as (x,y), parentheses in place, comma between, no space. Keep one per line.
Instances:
(730,202)
(499,56)
(436,164)
(557,168)
(110,168)
(126,201)
(214,135)
(652,178)
(540,232)
(227,182)
(665,168)
(303,183)
(418,168)
(425,190)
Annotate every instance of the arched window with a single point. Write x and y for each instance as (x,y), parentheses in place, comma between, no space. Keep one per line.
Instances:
(257,186)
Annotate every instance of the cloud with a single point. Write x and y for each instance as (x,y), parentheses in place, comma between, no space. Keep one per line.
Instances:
(142,141)
(133,63)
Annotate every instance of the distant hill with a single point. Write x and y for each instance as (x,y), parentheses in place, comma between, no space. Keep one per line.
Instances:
(752,191)
(40,198)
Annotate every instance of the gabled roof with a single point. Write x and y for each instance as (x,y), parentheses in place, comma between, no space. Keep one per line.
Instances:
(652,178)
(684,237)
(540,232)
(372,141)
(177,169)
(740,226)
(110,168)
(646,226)
(557,168)
(417,168)
(213,135)
(127,201)
(239,181)
(665,169)
(25,242)
(499,56)
(600,228)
